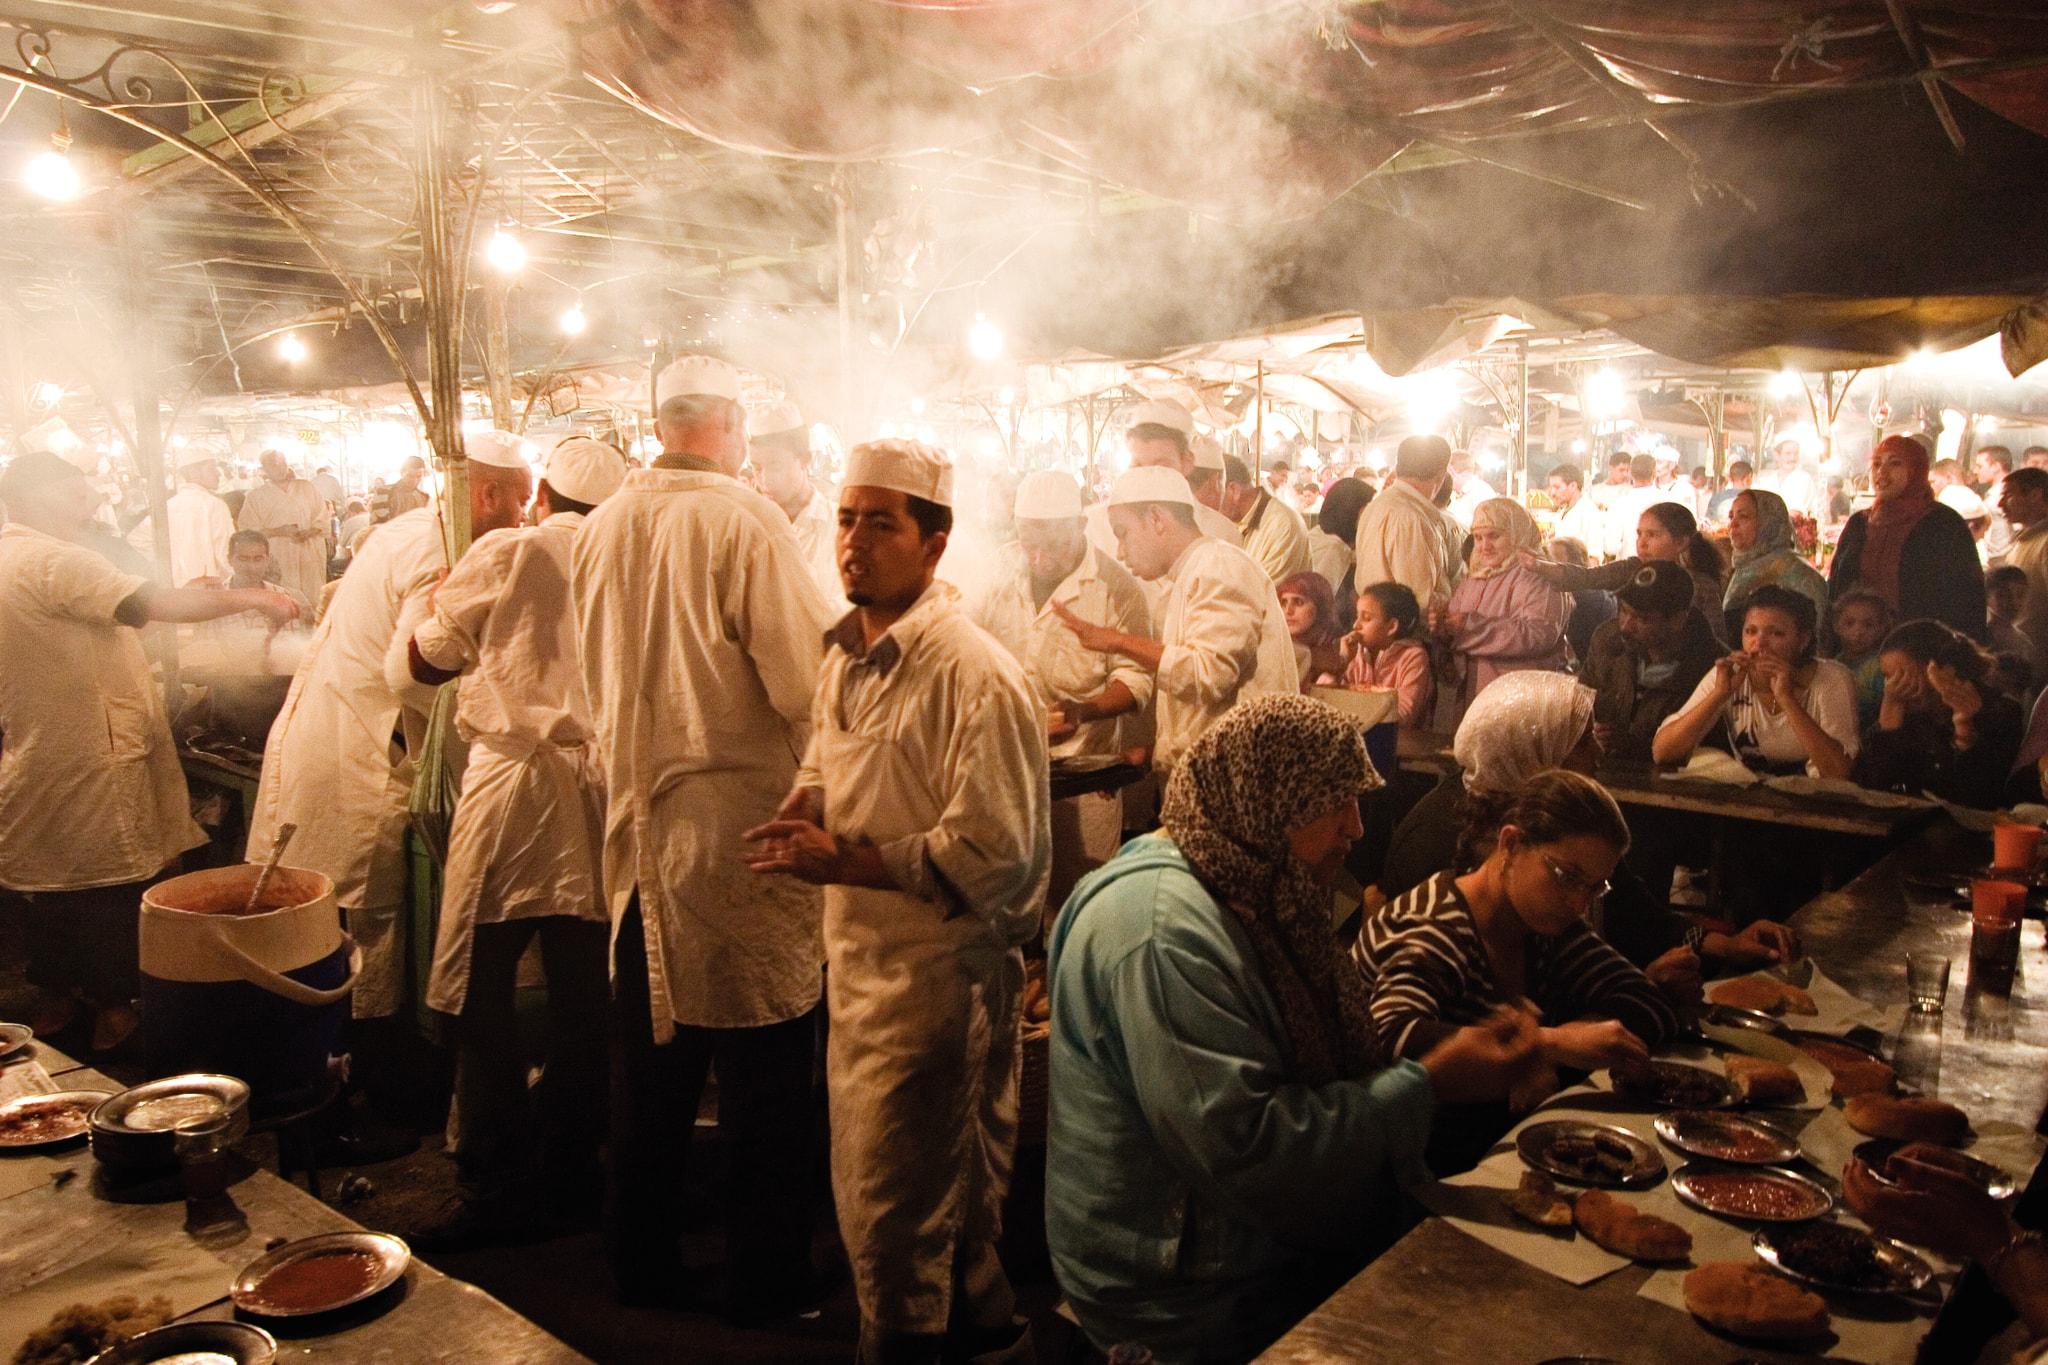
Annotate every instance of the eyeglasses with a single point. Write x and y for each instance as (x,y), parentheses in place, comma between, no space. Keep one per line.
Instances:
(1574,882)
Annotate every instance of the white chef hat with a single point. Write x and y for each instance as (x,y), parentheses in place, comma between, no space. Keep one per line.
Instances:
(697,374)
(584,470)
(1208,453)
(1048,495)
(773,419)
(1152,483)
(1965,503)
(499,449)
(1164,413)
(910,467)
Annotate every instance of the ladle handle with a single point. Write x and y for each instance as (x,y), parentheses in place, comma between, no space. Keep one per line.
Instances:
(284,836)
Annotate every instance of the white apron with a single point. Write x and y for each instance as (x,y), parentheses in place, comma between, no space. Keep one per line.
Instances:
(921,1066)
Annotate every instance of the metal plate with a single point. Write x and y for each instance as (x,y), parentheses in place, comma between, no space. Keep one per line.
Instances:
(1776,1247)
(156,1106)
(1998,1182)
(1695,1183)
(1534,1144)
(83,1102)
(240,1342)
(1660,1090)
(1694,1132)
(15,1037)
(390,1254)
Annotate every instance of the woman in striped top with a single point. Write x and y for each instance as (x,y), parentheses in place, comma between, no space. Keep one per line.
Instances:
(1513,931)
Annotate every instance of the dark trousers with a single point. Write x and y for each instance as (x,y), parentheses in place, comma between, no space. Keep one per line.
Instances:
(83,942)
(764,1116)
(500,1123)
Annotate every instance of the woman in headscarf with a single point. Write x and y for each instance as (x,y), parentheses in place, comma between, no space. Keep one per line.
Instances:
(1908,548)
(1330,536)
(1311,611)
(1664,531)
(1226,1138)
(1502,618)
(1760,533)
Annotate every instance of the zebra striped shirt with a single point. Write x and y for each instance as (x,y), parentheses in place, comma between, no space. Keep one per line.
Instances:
(1428,974)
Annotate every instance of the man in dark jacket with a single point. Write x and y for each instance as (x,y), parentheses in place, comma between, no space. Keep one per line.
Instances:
(1646,662)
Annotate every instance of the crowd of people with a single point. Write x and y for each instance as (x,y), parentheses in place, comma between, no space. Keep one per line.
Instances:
(757,781)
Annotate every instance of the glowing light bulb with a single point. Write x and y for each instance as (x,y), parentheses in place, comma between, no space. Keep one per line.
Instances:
(1606,394)
(47,395)
(1786,383)
(984,339)
(505,253)
(290,349)
(917,406)
(573,321)
(1007,396)
(50,175)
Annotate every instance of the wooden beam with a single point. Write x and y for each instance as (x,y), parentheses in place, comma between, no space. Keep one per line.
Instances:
(1909,34)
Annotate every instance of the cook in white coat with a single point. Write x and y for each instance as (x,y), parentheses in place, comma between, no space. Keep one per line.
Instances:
(1085,694)
(1162,434)
(1222,637)
(779,448)
(92,800)
(339,762)
(293,514)
(701,635)
(522,856)
(1275,536)
(921,808)
(200,525)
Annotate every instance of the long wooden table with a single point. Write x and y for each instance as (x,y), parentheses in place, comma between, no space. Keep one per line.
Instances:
(430,1317)
(1439,1295)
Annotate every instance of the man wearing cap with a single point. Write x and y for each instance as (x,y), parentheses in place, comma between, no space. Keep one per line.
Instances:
(779,447)
(1162,435)
(1084,693)
(1800,490)
(1402,537)
(340,760)
(700,633)
(922,808)
(522,855)
(1222,637)
(1645,662)
(1672,485)
(200,524)
(293,516)
(1274,533)
(92,799)
(406,495)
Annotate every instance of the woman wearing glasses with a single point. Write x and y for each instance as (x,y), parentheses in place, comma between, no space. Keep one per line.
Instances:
(1513,931)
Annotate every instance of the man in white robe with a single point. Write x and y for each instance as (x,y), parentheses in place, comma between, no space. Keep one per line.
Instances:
(700,631)
(779,448)
(293,516)
(921,808)
(200,525)
(522,860)
(1162,434)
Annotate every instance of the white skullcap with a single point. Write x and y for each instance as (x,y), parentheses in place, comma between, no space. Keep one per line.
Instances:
(583,470)
(1665,454)
(772,419)
(910,467)
(1048,495)
(1208,453)
(1966,504)
(499,449)
(1162,413)
(697,374)
(1150,484)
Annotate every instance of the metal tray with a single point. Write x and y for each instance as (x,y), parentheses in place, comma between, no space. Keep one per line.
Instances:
(1652,1096)
(1998,1182)
(1910,1274)
(1533,1143)
(235,1341)
(1686,1183)
(1689,1130)
(15,1037)
(391,1254)
(87,1100)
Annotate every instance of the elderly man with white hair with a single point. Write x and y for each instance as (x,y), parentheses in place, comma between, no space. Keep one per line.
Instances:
(292,513)
(1161,434)
(1085,694)
(700,633)
(522,857)
(922,809)
(1222,637)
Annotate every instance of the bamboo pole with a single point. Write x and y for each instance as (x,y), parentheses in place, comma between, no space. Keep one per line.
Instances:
(441,310)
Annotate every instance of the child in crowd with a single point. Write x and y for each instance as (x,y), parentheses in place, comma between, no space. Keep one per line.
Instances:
(2005,602)
(1383,652)
(1859,620)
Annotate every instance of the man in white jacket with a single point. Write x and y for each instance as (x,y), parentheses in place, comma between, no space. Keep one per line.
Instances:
(1274,533)
(1402,536)
(700,632)
(1161,435)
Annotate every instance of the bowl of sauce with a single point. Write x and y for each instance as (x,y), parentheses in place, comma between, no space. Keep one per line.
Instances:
(320,1274)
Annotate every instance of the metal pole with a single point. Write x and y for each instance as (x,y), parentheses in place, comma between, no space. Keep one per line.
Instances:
(1259,427)
(1522,417)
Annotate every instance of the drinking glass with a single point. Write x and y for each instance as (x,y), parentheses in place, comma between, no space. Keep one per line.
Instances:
(1926,981)
(1994,955)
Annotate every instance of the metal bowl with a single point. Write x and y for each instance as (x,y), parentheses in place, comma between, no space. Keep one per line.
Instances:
(237,1341)
(390,1256)
(1692,1182)
(85,1101)
(15,1037)
(1534,1143)
(1693,1131)
(136,1131)
(1908,1273)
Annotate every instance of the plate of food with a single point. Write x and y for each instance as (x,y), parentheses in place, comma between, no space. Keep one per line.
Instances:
(1726,1137)
(1671,1085)
(1589,1153)
(29,1121)
(195,1343)
(1842,1259)
(1877,1153)
(1750,1194)
(320,1274)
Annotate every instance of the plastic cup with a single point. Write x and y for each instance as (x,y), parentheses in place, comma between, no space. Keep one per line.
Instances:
(1996,901)
(1926,981)
(2015,846)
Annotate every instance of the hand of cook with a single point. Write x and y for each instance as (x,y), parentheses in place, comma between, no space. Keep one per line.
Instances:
(1094,638)
(1060,723)
(795,848)
(276,607)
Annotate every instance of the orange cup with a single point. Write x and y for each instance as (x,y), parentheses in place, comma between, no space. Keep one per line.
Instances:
(1993,901)
(2014,846)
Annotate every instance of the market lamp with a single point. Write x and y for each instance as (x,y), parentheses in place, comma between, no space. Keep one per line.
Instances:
(984,339)
(1786,383)
(505,253)
(51,174)
(573,322)
(290,349)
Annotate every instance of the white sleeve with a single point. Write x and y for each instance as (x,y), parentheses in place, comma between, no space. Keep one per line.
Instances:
(1832,702)
(1218,651)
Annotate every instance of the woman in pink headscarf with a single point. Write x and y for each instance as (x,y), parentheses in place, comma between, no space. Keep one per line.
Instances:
(1910,549)
(1503,616)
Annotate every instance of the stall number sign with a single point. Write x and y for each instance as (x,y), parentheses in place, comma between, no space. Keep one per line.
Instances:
(309,437)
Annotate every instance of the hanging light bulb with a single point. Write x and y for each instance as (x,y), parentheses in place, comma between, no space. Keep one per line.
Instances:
(984,338)
(573,321)
(290,349)
(1786,383)
(505,253)
(50,175)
